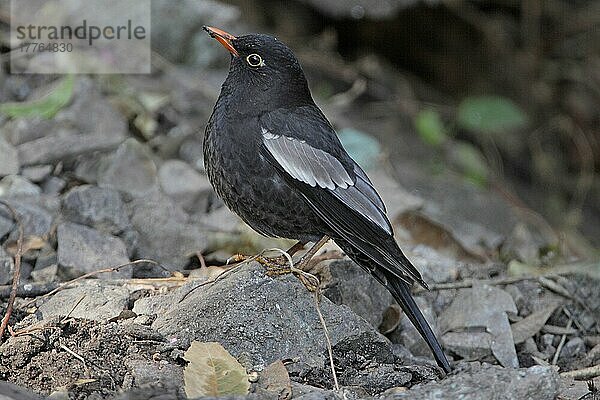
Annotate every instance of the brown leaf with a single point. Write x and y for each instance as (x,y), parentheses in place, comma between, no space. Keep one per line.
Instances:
(213,372)
(391,319)
(424,230)
(209,273)
(275,379)
(29,243)
(531,325)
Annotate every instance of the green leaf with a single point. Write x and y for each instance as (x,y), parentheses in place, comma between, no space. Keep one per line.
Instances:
(471,162)
(430,127)
(213,372)
(490,114)
(46,106)
(363,148)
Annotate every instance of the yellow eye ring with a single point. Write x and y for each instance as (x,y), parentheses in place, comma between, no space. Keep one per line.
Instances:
(254,60)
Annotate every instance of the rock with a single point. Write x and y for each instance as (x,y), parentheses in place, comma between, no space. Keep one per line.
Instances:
(9,158)
(572,348)
(34,214)
(46,274)
(165,235)
(91,301)
(407,334)
(54,185)
(469,345)
(6,267)
(146,372)
(192,152)
(352,286)
(6,225)
(395,197)
(488,382)
(9,391)
(82,249)
(49,149)
(100,208)
(434,265)
(547,344)
(260,320)
(154,392)
(371,9)
(15,185)
(185,42)
(129,169)
(477,219)
(575,390)
(482,307)
(91,113)
(185,186)
(21,130)
(306,392)
(37,173)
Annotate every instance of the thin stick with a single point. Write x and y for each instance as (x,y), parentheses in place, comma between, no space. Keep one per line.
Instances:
(90,274)
(71,352)
(563,339)
(329,347)
(73,308)
(584,373)
(317,306)
(17,272)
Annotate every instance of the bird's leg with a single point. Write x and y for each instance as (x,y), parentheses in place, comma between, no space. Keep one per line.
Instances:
(275,260)
(281,264)
(303,262)
(309,280)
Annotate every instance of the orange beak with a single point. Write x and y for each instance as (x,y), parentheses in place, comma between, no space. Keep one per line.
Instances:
(222,37)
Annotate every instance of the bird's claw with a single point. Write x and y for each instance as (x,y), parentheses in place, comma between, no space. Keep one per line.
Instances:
(275,265)
(281,266)
(309,281)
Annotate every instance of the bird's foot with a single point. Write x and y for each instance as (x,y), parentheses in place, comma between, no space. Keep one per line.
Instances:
(275,265)
(282,266)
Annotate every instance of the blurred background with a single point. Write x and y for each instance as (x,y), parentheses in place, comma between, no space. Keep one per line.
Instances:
(502,94)
(478,122)
(487,113)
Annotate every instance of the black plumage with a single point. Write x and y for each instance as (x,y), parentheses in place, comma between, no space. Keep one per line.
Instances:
(276,161)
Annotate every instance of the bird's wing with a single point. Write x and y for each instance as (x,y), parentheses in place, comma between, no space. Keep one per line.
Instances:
(336,188)
(319,169)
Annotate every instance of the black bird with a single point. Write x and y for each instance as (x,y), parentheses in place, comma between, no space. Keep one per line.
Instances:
(276,161)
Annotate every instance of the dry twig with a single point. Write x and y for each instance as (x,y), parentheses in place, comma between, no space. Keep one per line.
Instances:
(17,272)
(584,373)
(88,275)
(563,339)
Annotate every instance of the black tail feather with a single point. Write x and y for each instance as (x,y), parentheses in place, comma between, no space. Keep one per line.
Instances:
(401,293)
(400,290)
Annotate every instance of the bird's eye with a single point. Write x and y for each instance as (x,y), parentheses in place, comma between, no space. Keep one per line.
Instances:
(254,60)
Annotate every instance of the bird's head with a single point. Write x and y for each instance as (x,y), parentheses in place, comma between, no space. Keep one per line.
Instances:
(264,72)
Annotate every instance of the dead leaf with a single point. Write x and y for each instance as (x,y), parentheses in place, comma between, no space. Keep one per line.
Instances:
(29,243)
(209,273)
(275,379)
(531,325)
(391,319)
(213,372)
(423,230)
(484,306)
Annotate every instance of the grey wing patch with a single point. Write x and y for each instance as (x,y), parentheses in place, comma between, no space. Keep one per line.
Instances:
(303,162)
(318,168)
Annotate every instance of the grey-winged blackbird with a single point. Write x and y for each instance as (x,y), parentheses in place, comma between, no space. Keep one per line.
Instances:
(276,161)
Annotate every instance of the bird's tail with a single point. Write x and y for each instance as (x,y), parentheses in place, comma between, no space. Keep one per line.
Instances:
(400,290)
